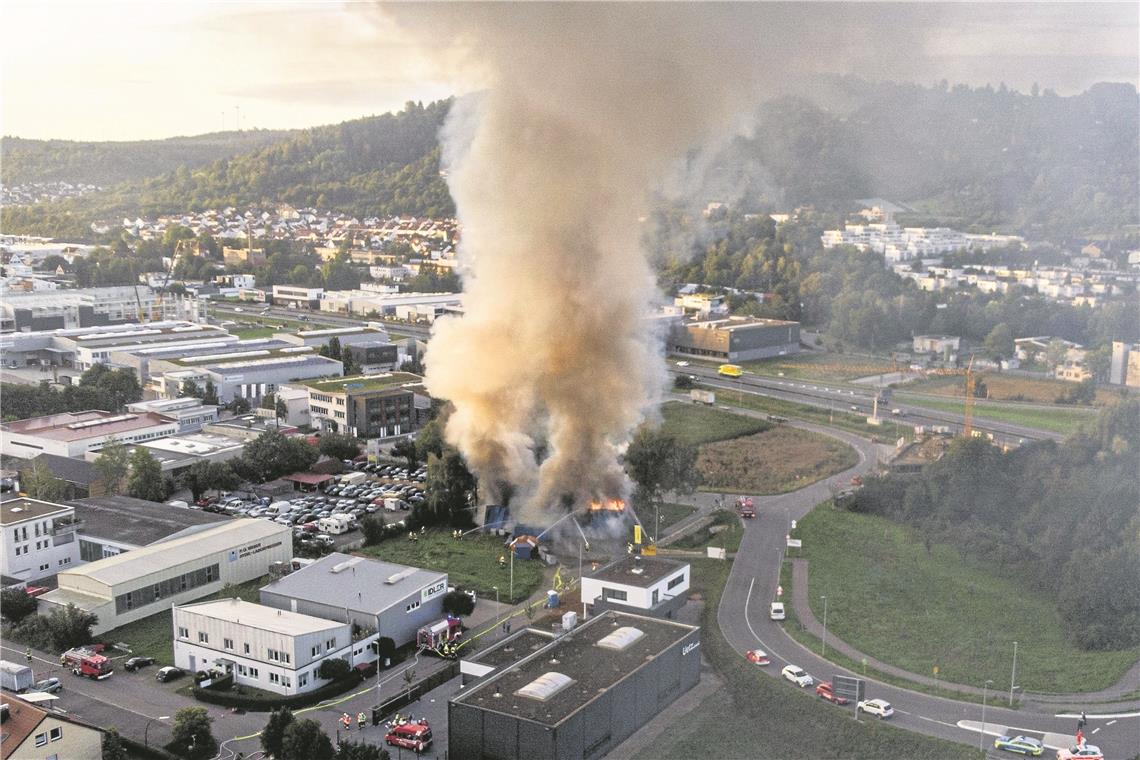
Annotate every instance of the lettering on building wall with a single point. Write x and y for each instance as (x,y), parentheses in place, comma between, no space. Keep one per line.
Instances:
(429,591)
(249,551)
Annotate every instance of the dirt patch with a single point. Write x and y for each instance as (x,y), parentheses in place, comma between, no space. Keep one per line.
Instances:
(776,461)
(1003,387)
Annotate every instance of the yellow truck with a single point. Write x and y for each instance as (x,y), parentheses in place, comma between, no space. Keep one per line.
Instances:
(730,370)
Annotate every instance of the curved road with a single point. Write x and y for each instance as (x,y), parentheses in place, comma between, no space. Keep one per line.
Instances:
(743,619)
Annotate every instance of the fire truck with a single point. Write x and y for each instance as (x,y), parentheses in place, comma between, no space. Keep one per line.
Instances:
(745,506)
(86,661)
(438,636)
(415,736)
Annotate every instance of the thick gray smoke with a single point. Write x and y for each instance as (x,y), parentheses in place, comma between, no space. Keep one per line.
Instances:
(582,109)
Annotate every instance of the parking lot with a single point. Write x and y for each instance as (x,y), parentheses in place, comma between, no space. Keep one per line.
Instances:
(326,515)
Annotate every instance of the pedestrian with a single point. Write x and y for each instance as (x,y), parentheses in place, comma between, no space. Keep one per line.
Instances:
(360,719)
(346,721)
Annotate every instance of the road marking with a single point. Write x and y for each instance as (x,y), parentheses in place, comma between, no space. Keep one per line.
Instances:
(748,622)
(1095,730)
(933,720)
(1099,717)
(1110,722)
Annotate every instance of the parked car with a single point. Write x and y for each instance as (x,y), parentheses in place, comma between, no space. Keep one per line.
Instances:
(823,691)
(797,676)
(1084,752)
(168,673)
(757,657)
(880,707)
(777,611)
(137,663)
(1024,745)
(366,669)
(48,685)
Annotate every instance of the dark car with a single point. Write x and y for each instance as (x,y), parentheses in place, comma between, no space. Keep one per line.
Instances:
(169,673)
(137,663)
(366,669)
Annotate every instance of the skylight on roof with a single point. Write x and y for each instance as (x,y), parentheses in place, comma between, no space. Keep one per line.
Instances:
(545,686)
(621,638)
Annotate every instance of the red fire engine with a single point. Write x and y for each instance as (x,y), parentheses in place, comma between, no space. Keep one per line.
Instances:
(439,635)
(86,661)
(415,736)
(745,506)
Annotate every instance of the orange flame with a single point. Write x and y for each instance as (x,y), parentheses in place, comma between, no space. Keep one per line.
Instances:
(607,505)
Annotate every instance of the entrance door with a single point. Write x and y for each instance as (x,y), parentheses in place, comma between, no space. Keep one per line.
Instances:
(193,669)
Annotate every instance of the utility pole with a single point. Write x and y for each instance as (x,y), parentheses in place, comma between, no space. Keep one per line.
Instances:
(1013,674)
(824,598)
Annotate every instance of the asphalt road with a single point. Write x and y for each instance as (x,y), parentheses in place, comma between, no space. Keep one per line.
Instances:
(743,619)
(842,399)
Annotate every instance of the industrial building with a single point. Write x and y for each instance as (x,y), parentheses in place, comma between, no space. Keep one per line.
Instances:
(368,406)
(301,298)
(111,525)
(374,356)
(263,647)
(139,583)
(189,411)
(177,453)
(394,600)
(641,585)
(39,539)
(346,336)
(578,696)
(410,307)
(83,348)
(736,339)
(91,307)
(75,434)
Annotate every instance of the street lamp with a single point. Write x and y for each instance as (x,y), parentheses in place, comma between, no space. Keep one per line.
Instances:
(982,733)
(1013,674)
(498,609)
(824,598)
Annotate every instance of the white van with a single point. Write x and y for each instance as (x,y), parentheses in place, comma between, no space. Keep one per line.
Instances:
(278,507)
(177,504)
(334,525)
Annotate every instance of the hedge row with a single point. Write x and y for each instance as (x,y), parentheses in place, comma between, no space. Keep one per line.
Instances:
(265,703)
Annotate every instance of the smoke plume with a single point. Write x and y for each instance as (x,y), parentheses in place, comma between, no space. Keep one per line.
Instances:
(580,110)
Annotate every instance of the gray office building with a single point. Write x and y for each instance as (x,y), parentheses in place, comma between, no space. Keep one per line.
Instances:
(394,600)
(736,339)
(578,696)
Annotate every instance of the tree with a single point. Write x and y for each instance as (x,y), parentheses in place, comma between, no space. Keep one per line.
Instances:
(145,481)
(280,409)
(204,476)
(1055,353)
(373,529)
(112,466)
(386,649)
(334,669)
(406,449)
(430,438)
(62,629)
(16,604)
(659,463)
(339,446)
(352,751)
(210,394)
(304,740)
(121,386)
(38,482)
(450,486)
(683,383)
(272,455)
(331,349)
(1000,341)
(348,362)
(458,603)
(274,732)
(113,748)
(192,735)
(190,389)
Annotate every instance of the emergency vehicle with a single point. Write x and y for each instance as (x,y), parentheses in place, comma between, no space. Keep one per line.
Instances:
(439,635)
(745,506)
(86,661)
(414,736)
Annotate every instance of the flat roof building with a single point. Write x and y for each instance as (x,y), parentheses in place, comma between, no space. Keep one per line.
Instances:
(139,583)
(84,347)
(75,434)
(367,406)
(736,339)
(263,647)
(394,600)
(111,525)
(90,307)
(579,696)
(38,539)
(642,585)
(190,412)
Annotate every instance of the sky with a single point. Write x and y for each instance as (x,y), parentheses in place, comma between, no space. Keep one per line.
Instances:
(116,70)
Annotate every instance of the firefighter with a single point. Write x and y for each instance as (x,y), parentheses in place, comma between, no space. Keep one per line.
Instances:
(346,721)
(502,561)
(28,654)
(360,720)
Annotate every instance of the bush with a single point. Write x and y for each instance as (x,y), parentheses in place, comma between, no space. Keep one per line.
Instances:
(60,630)
(334,669)
(268,702)
(16,604)
(458,603)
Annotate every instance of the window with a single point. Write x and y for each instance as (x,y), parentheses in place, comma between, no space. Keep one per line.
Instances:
(302,679)
(316,651)
(56,734)
(253,672)
(41,740)
(330,644)
(677,581)
(412,606)
(228,644)
(615,594)
(285,681)
(245,648)
(203,637)
(274,678)
(183,633)
(241,669)
(45,566)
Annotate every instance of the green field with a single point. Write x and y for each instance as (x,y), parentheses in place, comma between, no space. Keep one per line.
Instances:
(250,333)
(894,600)
(821,366)
(153,636)
(727,539)
(694,424)
(471,563)
(1057,419)
(778,460)
(758,716)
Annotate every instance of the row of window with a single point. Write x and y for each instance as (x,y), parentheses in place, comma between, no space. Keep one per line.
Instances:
(411,606)
(169,587)
(616,594)
(276,656)
(54,735)
(677,581)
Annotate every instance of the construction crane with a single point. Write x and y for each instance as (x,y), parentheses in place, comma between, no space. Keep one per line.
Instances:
(968,426)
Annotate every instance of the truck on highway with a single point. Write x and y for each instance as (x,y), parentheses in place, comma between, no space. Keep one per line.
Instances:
(86,661)
(15,677)
(730,370)
(702,397)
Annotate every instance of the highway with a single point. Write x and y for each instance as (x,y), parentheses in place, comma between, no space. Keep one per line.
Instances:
(743,619)
(841,399)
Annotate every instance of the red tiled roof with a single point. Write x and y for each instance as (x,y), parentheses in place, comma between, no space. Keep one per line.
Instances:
(308,478)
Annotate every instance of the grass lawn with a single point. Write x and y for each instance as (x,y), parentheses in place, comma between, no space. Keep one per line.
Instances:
(255,332)
(843,419)
(778,460)
(695,424)
(728,538)
(153,636)
(894,601)
(1005,387)
(471,563)
(757,716)
(1058,420)
(670,514)
(821,366)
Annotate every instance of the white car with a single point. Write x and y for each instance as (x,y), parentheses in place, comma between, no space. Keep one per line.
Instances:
(879,707)
(1083,752)
(797,676)
(682,364)
(777,611)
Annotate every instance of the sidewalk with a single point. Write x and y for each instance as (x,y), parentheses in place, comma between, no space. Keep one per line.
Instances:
(1126,685)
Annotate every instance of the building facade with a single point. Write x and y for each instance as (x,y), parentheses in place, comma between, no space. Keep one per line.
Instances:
(736,339)
(39,539)
(76,434)
(31,733)
(642,585)
(368,406)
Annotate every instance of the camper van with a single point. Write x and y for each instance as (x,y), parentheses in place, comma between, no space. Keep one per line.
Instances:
(334,525)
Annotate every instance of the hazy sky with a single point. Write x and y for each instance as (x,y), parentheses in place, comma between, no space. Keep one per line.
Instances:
(110,70)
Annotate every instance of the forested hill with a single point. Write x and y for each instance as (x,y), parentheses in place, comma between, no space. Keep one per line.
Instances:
(109,163)
(380,165)
(979,158)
